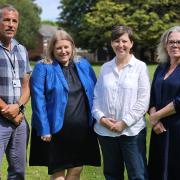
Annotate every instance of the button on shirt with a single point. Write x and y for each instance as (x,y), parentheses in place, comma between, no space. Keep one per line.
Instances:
(122,95)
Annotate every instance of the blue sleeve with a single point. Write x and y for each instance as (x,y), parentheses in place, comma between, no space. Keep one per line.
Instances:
(38,100)
(92,74)
(87,66)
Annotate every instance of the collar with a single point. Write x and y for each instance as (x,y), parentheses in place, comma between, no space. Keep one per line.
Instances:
(130,63)
(14,43)
(76,60)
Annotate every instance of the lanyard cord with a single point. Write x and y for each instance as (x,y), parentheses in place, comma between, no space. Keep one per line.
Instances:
(12,61)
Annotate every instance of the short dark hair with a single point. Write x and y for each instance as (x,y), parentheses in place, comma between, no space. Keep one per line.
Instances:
(119,30)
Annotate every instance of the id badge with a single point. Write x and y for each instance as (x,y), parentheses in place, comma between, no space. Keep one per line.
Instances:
(16,83)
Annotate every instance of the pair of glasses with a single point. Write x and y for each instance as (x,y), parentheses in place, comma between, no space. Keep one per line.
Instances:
(172,43)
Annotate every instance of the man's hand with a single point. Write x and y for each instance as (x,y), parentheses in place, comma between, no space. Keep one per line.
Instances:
(10,111)
(17,120)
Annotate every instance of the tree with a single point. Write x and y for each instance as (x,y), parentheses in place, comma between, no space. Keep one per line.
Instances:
(71,16)
(99,22)
(52,23)
(149,19)
(29,21)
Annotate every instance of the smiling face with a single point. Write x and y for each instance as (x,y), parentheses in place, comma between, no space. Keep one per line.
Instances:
(173,46)
(63,51)
(8,24)
(122,45)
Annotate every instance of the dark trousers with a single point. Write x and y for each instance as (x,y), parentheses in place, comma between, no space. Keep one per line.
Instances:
(128,150)
(13,143)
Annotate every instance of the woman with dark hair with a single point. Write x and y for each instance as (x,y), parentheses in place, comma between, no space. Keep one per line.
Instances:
(121,99)
(164,155)
(62,125)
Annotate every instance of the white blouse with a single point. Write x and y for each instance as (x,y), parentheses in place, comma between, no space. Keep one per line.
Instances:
(122,95)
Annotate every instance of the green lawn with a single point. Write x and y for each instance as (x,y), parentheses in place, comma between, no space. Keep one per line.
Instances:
(89,173)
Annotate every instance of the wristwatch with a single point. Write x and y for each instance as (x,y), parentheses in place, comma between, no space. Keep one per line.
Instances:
(22,108)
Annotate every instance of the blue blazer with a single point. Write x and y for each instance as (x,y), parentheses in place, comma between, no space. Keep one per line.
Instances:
(49,94)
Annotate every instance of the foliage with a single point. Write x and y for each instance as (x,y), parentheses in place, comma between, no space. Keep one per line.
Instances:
(29,20)
(52,23)
(99,21)
(71,16)
(92,25)
(149,20)
(2,1)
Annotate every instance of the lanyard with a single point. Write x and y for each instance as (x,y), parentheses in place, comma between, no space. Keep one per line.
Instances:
(12,61)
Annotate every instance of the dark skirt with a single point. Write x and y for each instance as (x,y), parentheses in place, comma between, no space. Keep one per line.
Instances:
(64,152)
(164,155)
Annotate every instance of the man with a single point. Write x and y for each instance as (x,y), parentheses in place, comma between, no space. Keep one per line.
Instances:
(14,94)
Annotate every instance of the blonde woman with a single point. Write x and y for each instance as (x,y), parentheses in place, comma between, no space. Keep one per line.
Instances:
(62,93)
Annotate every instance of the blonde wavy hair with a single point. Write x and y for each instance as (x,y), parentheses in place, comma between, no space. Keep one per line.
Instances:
(59,35)
(162,54)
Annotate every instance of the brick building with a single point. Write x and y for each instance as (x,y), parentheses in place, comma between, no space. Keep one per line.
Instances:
(45,33)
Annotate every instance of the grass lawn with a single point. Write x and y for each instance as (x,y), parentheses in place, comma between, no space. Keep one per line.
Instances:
(89,173)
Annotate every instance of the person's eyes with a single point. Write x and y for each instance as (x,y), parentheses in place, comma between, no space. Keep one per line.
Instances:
(172,42)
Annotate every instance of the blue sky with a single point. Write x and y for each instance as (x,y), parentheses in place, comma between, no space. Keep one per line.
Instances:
(49,9)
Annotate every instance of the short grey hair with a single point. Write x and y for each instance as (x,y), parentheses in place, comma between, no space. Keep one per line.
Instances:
(162,54)
(9,7)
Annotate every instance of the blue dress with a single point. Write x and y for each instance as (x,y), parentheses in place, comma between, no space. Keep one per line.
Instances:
(164,154)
